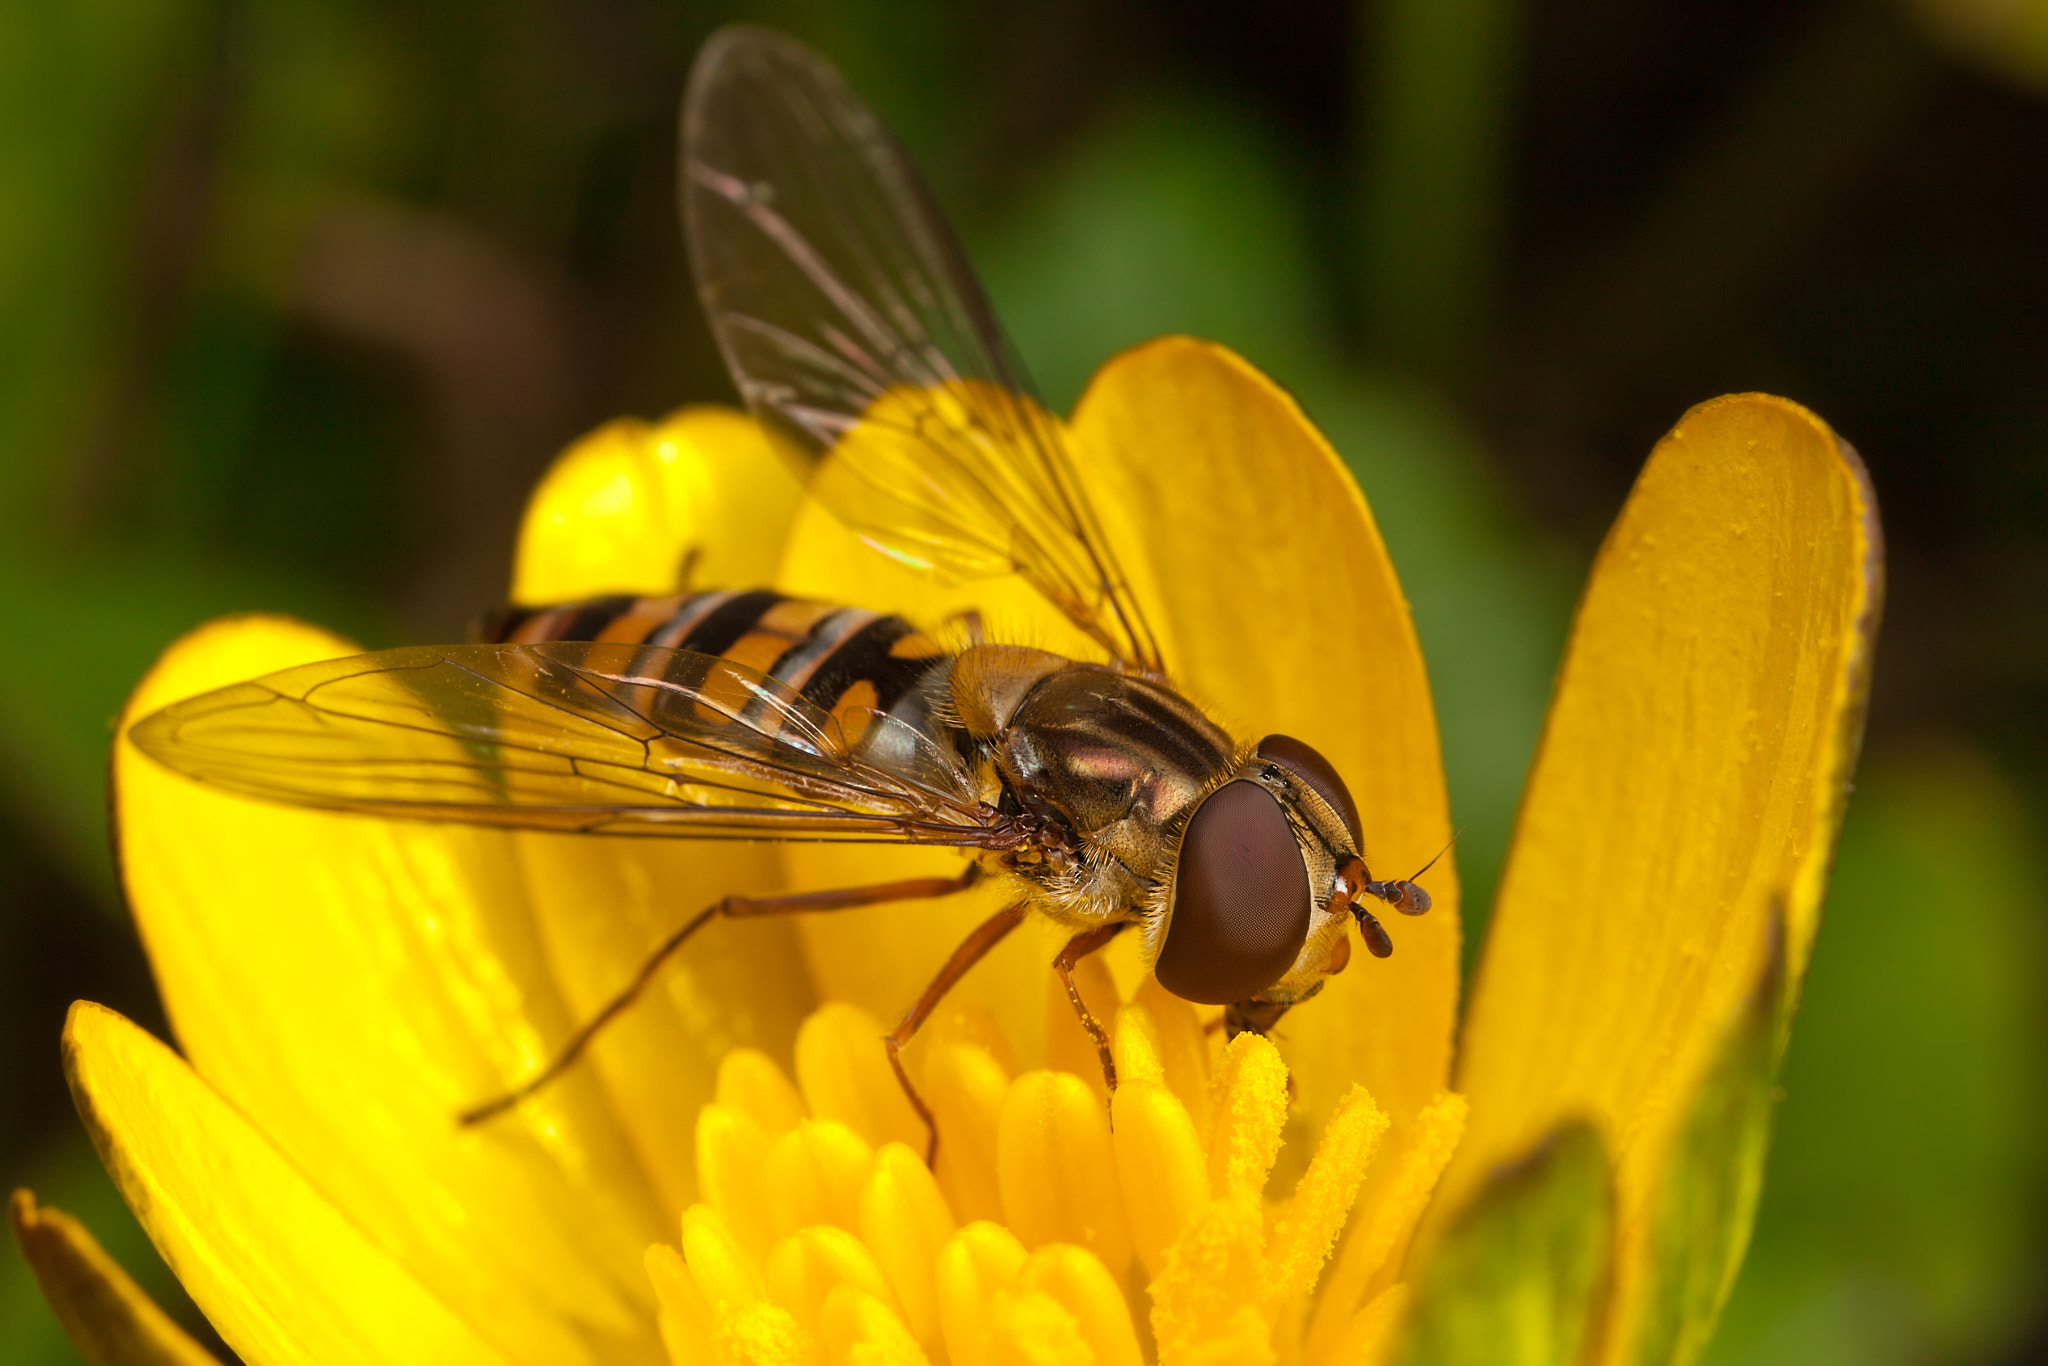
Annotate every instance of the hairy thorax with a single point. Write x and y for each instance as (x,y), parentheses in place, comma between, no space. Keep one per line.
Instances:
(1113,759)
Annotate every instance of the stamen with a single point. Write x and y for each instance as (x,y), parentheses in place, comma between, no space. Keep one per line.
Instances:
(823,1239)
(964,1084)
(1202,1303)
(844,1076)
(1057,1167)
(981,1263)
(814,1176)
(814,1262)
(1251,1108)
(858,1327)
(749,1081)
(1372,1249)
(685,1320)
(904,1219)
(1303,1239)
(811,1263)
(1081,1285)
(1371,1330)
(1183,1048)
(731,1176)
(1164,1172)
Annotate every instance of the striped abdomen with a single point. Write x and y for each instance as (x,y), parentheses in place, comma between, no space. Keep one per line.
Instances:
(840,658)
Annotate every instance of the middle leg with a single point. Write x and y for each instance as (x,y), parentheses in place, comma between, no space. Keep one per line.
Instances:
(1079,947)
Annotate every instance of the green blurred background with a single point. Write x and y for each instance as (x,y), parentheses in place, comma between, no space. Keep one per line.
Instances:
(299,295)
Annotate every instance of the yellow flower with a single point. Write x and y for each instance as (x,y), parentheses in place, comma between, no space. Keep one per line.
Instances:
(732,1177)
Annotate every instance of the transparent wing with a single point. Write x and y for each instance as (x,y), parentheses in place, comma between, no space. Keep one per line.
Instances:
(855,330)
(576,736)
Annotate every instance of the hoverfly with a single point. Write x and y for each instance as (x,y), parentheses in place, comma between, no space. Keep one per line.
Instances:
(860,338)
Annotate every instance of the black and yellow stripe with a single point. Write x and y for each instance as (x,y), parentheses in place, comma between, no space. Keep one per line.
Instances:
(841,659)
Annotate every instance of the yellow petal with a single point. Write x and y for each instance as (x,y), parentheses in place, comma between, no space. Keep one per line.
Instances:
(601,906)
(1286,617)
(621,510)
(1690,780)
(284,1274)
(349,985)
(101,1307)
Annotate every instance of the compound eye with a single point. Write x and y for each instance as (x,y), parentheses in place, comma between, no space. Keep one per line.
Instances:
(1313,769)
(1240,900)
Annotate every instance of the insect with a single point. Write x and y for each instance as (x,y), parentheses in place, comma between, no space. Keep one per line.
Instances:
(863,343)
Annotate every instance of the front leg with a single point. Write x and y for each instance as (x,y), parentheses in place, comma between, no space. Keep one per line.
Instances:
(1256,1016)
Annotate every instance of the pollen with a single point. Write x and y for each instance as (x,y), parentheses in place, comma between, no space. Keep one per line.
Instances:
(1058,1227)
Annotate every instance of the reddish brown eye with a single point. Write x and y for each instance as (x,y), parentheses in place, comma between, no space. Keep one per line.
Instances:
(1240,900)
(1314,770)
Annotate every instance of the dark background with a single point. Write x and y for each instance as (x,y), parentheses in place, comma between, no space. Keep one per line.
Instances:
(300,297)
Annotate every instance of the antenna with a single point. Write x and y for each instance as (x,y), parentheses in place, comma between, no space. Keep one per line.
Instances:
(1402,894)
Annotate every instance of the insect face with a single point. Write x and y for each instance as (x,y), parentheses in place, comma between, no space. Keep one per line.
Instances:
(1258,857)
(1240,909)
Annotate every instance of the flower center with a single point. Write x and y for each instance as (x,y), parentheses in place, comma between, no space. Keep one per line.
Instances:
(1055,1229)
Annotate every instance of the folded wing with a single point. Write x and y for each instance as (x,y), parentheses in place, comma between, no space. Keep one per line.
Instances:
(593,737)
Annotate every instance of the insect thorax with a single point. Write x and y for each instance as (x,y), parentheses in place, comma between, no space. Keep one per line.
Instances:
(1118,760)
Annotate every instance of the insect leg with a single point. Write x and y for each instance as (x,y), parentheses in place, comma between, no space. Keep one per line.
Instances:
(1079,947)
(686,568)
(973,948)
(733,908)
